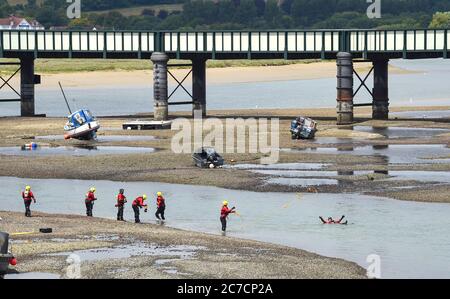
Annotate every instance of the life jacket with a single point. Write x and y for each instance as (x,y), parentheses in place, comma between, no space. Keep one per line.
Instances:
(224,212)
(90,196)
(138,202)
(27,195)
(160,202)
(121,200)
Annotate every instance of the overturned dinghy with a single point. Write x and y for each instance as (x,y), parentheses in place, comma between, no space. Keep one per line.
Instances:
(207,157)
(303,128)
(82,125)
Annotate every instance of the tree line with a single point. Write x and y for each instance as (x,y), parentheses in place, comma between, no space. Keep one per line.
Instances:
(240,14)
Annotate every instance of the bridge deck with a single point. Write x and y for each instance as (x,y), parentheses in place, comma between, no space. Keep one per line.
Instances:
(302,44)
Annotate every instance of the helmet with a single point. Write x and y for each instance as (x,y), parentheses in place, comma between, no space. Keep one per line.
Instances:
(121,191)
(144,197)
(225,203)
(93,189)
(27,188)
(159,193)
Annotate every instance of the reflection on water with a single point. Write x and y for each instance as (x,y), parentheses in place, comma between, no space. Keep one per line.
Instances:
(104,138)
(404,90)
(135,249)
(284,166)
(398,231)
(302,182)
(303,178)
(402,132)
(433,114)
(394,153)
(85,150)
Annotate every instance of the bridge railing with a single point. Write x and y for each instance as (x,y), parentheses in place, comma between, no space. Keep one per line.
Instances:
(71,41)
(217,42)
(399,40)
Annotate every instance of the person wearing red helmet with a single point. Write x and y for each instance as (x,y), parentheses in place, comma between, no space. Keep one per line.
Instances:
(28,197)
(224,212)
(121,201)
(138,204)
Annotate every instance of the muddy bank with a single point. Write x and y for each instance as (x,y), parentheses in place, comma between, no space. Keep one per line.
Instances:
(362,150)
(162,252)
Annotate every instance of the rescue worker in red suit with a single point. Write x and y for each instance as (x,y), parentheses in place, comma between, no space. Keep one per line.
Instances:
(160,207)
(224,212)
(332,221)
(138,204)
(121,201)
(28,197)
(89,201)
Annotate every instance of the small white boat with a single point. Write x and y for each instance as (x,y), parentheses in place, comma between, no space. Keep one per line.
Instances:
(82,125)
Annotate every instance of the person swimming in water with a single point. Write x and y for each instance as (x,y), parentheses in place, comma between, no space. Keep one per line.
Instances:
(332,221)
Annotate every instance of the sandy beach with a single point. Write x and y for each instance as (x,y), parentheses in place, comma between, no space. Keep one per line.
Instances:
(308,71)
(157,252)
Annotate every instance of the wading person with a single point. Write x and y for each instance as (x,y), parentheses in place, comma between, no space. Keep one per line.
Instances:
(332,221)
(89,201)
(224,212)
(121,201)
(138,204)
(28,197)
(160,207)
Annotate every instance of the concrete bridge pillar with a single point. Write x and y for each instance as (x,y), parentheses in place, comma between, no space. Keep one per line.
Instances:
(160,85)
(27,82)
(344,88)
(380,106)
(199,85)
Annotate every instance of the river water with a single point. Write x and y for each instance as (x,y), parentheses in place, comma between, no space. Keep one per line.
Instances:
(425,87)
(412,239)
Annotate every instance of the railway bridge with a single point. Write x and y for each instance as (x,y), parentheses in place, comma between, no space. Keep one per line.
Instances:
(346,46)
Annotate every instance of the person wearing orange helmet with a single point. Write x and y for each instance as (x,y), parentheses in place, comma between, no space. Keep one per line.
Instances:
(28,197)
(224,212)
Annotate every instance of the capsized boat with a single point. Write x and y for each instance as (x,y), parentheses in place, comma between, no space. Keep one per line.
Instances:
(82,125)
(207,157)
(303,128)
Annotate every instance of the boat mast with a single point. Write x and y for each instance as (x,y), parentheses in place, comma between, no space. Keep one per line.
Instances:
(65,98)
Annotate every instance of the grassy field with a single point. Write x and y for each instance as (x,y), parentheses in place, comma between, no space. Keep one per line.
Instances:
(51,66)
(129,11)
(137,10)
(15,2)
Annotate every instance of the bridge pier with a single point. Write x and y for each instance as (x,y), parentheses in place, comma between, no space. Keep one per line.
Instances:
(160,86)
(199,85)
(380,106)
(344,88)
(27,82)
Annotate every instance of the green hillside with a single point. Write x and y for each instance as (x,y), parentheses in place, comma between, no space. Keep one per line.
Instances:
(233,14)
